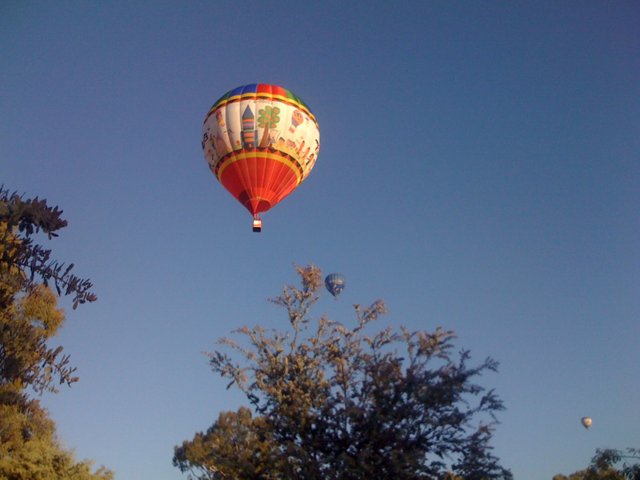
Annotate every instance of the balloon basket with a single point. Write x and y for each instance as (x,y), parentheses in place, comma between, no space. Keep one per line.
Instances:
(257,225)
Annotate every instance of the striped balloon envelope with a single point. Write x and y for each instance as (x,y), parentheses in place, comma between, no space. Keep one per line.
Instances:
(260,141)
(335,283)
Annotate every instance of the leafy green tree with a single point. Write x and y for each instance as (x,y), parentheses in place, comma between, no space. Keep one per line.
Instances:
(29,319)
(21,220)
(609,464)
(338,403)
(237,446)
(28,315)
(29,449)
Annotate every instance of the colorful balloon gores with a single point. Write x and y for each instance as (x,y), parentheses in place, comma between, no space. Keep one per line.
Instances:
(260,141)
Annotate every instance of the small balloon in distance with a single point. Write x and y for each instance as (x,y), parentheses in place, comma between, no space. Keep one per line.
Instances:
(335,283)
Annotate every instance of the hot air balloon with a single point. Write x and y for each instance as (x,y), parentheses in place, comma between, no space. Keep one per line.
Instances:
(586,422)
(335,283)
(260,141)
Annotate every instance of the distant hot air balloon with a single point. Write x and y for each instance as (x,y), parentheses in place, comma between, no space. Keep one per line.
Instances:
(586,422)
(335,283)
(260,141)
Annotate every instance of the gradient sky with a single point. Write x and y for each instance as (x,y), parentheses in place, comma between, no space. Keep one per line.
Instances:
(479,170)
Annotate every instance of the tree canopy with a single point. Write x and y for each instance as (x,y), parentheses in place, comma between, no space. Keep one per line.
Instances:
(609,464)
(29,319)
(339,402)
(29,316)
(237,446)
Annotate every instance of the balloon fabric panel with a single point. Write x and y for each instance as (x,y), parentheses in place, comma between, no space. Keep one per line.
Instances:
(258,181)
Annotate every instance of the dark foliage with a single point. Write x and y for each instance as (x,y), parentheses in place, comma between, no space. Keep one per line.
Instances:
(340,404)
(23,218)
(609,464)
(29,316)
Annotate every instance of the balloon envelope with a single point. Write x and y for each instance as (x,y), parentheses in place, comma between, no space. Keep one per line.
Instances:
(586,422)
(260,141)
(335,283)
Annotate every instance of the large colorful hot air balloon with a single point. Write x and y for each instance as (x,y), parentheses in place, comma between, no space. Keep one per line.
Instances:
(261,141)
(335,283)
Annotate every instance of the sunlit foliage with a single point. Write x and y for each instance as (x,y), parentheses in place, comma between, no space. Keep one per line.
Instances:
(29,319)
(609,464)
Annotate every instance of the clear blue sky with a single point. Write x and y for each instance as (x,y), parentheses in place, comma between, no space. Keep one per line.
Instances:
(479,169)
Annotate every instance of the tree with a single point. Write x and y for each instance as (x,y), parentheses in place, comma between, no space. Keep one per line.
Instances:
(29,319)
(237,446)
(29,449)
(609,464)
(28,313)
(20,220)
(338,403)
